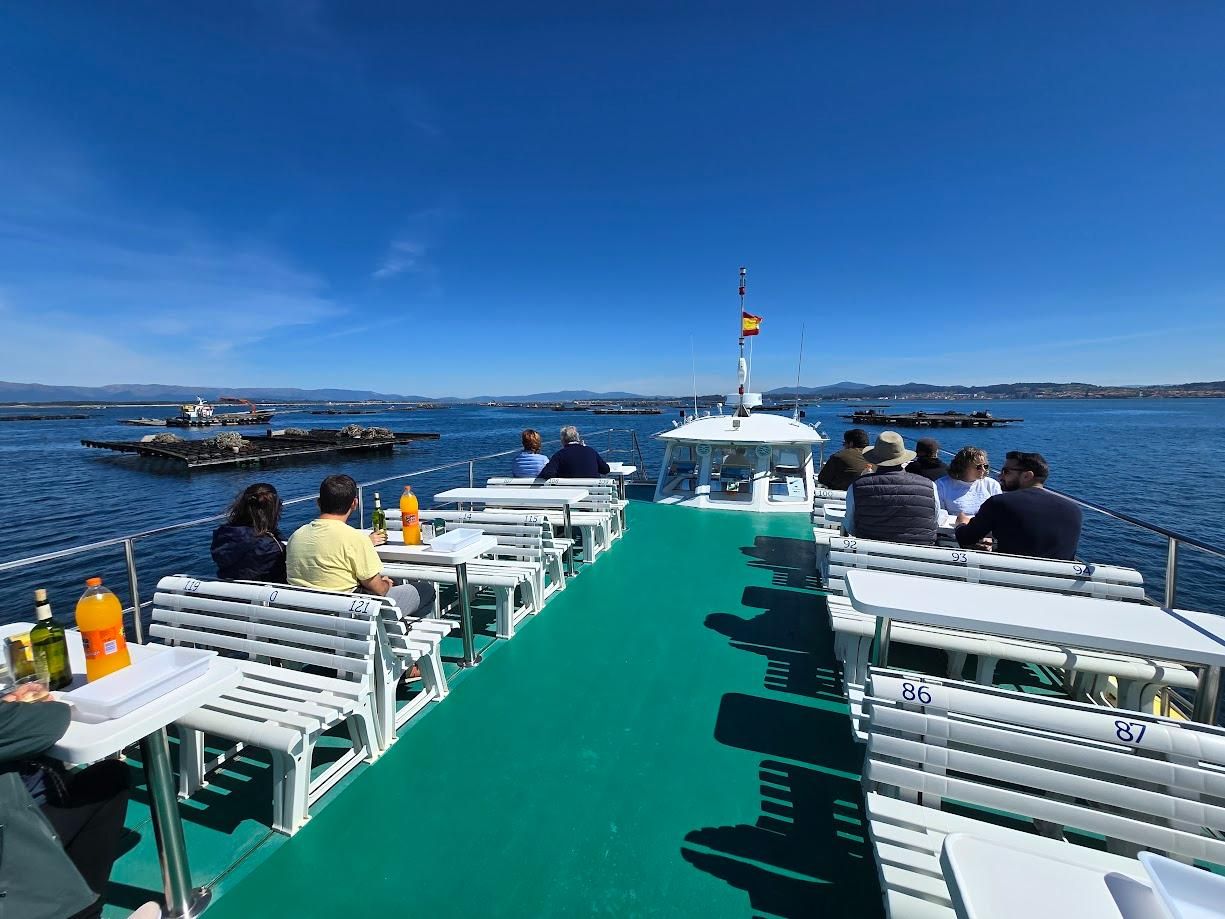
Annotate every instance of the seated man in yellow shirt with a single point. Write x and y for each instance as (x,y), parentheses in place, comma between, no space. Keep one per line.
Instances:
(328,554)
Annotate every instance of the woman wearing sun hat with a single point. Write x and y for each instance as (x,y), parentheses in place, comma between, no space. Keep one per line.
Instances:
(892,504)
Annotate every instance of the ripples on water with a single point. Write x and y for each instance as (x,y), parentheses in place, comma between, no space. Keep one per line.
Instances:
(1156,460)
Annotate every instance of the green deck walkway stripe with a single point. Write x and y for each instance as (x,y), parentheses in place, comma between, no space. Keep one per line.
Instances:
(663,740)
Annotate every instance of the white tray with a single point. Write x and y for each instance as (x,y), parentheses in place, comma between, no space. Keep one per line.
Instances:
(126,690)
(454,540)
(1186,892)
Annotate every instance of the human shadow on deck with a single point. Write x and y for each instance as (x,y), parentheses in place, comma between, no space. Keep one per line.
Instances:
(792,633)
(806,855)
(792,562)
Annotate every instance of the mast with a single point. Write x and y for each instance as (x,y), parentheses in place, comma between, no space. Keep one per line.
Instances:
(741,374)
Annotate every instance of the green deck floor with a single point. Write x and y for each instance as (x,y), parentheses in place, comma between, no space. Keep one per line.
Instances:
(665,739)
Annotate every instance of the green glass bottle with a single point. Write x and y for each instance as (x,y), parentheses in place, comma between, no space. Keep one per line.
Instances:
(378,520)
(49,644)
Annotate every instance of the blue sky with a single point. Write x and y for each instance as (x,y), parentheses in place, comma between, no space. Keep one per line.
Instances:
(518,198)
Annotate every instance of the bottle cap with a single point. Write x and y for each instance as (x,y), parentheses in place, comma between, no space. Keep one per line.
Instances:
(93,582)
(408,488)
(376,496)
(40,595)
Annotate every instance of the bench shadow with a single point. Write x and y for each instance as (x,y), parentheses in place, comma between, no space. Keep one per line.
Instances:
(791,634)
(791,562)
(807,853)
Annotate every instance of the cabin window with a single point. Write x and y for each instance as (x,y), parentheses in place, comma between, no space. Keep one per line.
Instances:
(788,484)
(683,467)
(731,474)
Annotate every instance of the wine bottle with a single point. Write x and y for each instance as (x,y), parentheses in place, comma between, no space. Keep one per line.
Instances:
(378,520)
(49,644)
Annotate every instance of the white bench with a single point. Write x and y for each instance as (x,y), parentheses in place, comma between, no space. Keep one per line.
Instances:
(517,531)
(822,496)
(598,516)
(1138,781)
(492,573)
(278,706)
(404,642)
(1138,679)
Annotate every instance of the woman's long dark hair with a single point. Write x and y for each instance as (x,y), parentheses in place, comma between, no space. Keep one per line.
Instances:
(258,507)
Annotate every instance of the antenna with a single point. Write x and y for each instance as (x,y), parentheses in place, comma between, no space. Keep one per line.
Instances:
(741,370)
(798,365)
(694,362)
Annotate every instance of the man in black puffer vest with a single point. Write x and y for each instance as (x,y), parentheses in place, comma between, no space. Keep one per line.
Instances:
(892,504)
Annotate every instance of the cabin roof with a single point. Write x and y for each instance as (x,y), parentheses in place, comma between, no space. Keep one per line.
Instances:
(762,428)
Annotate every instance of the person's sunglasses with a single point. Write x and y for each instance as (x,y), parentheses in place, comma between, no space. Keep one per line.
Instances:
(982,465)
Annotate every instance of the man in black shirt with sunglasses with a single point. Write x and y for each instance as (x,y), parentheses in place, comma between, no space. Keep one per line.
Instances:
(1025,519)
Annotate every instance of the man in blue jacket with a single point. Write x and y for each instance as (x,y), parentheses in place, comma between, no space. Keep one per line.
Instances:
(575,460)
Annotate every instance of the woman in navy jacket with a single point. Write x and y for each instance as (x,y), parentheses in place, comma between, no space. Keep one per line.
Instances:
(248,546)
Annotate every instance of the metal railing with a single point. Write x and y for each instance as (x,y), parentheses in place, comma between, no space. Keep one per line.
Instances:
(129,542)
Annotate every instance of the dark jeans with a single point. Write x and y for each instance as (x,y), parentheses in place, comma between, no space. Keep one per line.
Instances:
(89,822)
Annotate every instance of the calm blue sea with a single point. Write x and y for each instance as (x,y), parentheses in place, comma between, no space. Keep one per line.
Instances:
(1155,459)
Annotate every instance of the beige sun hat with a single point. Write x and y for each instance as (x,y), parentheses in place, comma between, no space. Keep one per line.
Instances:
(890,450)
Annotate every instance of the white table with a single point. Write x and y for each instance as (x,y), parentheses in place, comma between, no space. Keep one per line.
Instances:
(1086,622)
(991,880)
(87,743)
(394,550)
(529,496)
(621,472)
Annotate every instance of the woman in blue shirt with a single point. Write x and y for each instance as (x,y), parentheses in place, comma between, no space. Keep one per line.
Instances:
(527,464)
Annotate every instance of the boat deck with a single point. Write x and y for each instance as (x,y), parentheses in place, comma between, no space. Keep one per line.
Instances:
(665,738)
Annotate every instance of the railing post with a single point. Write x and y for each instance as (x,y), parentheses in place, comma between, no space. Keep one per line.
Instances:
(361,507)
(471,473)
(1207,696)
(129,556)
(1171,572)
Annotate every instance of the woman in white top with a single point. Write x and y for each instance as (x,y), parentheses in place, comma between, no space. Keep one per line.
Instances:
(967,485)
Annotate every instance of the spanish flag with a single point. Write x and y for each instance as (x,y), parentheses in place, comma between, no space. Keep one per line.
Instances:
(749,324)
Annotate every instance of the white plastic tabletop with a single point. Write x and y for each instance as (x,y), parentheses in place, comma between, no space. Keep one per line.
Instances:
(544,496)
(990,880)
(394,550)
(88,743)
(1087,622)
(621,470)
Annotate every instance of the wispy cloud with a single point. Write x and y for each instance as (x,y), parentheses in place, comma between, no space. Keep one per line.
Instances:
(94,290)
(409,252)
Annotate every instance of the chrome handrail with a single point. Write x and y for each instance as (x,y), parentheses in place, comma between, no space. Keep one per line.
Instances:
(129,541)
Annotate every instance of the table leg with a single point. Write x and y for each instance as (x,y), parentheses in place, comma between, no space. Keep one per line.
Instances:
(1207,695)
(565,518)
(880,646)
(470,658)
(182,902)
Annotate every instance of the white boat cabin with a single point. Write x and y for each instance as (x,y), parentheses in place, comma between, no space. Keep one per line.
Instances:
(748,462)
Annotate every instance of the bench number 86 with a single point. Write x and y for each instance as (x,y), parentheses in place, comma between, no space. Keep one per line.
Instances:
(911,692)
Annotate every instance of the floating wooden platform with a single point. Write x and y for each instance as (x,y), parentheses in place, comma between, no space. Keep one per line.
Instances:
(197,453)
(931,419)
(145,422)
(226,418)
(41,417)
(627,411)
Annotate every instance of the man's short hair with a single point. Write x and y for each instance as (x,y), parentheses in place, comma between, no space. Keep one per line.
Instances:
(1031,462)
(855,437)
(570,435)
(927,446)
(337,494)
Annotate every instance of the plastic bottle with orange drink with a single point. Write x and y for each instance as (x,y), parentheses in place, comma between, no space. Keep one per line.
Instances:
(410,519)
(100,621)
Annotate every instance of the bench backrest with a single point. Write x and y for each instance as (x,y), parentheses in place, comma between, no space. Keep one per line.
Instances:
(335,631)
(1154,783)
(1108,581)
(602,493)
(513,531)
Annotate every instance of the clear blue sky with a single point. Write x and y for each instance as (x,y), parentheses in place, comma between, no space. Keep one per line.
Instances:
(518,198)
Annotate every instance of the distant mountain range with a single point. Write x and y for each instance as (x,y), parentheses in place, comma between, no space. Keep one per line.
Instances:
(153,392)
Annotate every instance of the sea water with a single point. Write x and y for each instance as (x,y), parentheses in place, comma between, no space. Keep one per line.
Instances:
(1155,459)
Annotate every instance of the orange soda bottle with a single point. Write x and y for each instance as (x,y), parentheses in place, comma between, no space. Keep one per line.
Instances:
(409,518)
(100,621)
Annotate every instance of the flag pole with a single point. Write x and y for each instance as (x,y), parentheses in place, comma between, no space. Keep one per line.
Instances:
(740,410)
